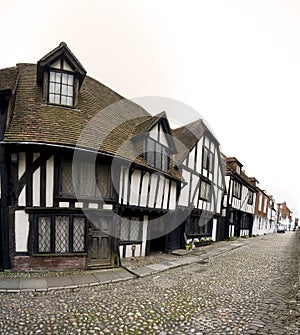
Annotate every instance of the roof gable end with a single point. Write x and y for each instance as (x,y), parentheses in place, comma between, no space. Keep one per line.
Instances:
(61,52)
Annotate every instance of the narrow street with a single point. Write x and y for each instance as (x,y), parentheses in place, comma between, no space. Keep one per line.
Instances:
(250,290)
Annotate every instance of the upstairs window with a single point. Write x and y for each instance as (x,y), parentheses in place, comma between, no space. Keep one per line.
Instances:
(207,160)
(250,198)
(237,188)
(61,88)
(60,75)
(204,190)
(157,155)
(90,180)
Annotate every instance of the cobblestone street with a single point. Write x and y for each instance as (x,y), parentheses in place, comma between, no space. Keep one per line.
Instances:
(250,290)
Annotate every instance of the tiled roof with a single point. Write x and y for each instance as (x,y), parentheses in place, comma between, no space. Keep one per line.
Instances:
(146,124)
(8,78)
(230,169)
(114,119)
(187,137)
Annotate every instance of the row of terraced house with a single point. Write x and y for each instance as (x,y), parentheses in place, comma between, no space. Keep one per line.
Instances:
(89,178)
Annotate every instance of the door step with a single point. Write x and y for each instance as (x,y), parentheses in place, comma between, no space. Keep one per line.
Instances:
(100,266)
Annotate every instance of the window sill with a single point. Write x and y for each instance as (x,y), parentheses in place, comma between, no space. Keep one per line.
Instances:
(61,106)
(60,255)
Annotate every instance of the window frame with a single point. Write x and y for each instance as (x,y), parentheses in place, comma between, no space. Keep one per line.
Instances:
(157,154)
(250,198)
(140,233)
(61,72)
(208,193)
(71,236)
(201,230)
(96,194)
(207,160)
(237,189)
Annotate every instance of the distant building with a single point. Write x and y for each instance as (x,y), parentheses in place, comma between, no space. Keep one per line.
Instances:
(284,216)
(272,213)
(264,211)
(239,200)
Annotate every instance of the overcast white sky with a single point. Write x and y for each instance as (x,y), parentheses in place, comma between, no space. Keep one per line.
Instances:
(236,62)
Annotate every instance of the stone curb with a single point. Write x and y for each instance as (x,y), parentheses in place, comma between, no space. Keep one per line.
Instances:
(106,276)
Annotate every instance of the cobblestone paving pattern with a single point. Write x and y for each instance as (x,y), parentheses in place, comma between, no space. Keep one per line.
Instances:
(250,290)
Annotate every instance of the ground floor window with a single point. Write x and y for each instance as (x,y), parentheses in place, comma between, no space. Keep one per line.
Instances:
(198,226)
(60,234)
(131,229)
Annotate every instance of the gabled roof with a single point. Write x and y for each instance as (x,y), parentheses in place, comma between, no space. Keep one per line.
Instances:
(187,137)
(149,122)
(62,51)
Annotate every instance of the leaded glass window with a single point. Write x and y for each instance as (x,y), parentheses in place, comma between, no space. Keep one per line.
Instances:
(198,225)
(204,190)
(78,234)
(104,180)
(62,231)
(61,88)
(61,234)
(44,237)
(131,229)
(90,180)
(124,233)
(66,178)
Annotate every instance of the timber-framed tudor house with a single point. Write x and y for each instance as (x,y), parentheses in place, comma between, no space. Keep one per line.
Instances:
(239,201)
(54,215)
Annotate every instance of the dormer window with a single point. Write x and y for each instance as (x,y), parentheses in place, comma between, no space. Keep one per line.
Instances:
(61,76)
(61,88)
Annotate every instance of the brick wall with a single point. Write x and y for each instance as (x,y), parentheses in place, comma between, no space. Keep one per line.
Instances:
(48,263)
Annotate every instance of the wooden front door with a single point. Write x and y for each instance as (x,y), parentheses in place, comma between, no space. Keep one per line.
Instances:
(100,245)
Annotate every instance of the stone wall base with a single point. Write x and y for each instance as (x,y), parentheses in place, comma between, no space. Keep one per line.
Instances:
(48,263)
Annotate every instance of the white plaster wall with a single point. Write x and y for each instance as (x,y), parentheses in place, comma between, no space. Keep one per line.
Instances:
(134,187)
(214,230)
(172,204)
(154,178)
(145,229)
(36,187)
(166,192)
(160,192)
(121,185)
(49,181)
(192,159)
(125,187)
(184,192)
(199,155)
(163,139)
(21,230)
(144,195)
